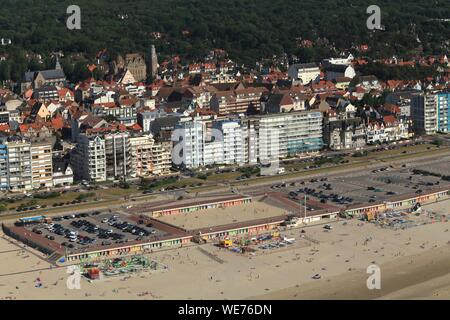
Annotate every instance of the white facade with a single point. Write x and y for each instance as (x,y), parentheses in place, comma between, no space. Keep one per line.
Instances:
(189,138)
(305,72)
(298,132)
(233,144)
(340,61)
(380,133)
(15,165)
(88,159)
(197,145)
(338,71)
(63,178)
(118,155)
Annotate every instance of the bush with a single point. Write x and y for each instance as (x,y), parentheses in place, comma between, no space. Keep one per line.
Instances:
(47,195)
(437,142)
(360,154)
(202,176)
(85,196)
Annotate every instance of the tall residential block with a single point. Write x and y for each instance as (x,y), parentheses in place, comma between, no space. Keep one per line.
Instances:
(149,157)
(41,165)
(88,159)
(233,141)
(443,114)
(15,164)
(118,155)
(424,112)
(290,134)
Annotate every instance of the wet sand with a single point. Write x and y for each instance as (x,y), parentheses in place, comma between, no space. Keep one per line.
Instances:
(422,276)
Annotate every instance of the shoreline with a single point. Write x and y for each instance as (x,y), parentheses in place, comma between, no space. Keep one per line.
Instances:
(418,276)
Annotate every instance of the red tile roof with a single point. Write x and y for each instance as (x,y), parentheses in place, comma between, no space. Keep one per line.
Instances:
(57,122)
(389,119)
(4,127)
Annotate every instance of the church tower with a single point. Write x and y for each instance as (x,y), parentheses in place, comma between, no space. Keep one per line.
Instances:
(153,62)
(58,64)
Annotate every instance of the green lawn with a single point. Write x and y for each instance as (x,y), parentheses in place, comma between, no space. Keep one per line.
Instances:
(227,176)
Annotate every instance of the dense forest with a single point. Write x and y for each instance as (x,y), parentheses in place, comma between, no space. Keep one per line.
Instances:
(248,30)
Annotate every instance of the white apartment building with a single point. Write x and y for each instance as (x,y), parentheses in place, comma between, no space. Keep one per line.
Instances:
(189,144)
(118,155)
(196,145)
(251,141)
(233,144)
(304,72)
(88,159)
(145,119)
(443,105)
(15,164)
(289,134)
(4,174)
(41,165)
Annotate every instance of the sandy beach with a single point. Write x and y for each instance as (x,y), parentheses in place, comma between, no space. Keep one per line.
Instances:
(414,263)
(421,276)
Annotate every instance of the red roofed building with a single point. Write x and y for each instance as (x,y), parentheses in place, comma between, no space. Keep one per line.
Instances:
(323,86)
(195,68)
(57,122)
(209,67)
(363,47)
(66,95)
(388,130)
(392,108)
(5,128)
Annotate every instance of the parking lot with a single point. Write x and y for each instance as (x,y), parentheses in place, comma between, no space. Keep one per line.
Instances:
(79,231)
(361,187)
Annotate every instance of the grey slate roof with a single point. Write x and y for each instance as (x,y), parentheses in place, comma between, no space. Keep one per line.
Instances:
(305,65)
(47,74)
(337,68)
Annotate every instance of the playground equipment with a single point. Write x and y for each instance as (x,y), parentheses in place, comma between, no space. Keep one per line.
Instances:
(117,266)
(226,243)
